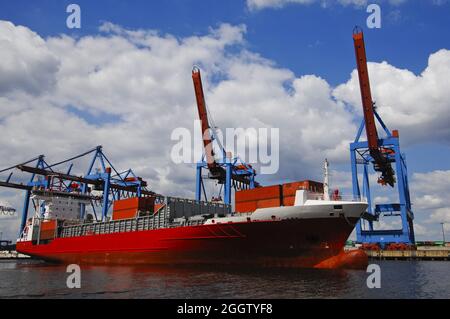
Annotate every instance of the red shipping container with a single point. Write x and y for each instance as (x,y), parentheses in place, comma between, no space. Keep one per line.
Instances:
(48,229)
(290,189)
(267,203)
(246,207)
(259,193)
(124,214)
(289,201)
(128,208)
(141,203)
(315,187)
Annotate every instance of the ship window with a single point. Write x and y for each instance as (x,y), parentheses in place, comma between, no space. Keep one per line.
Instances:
(337,206)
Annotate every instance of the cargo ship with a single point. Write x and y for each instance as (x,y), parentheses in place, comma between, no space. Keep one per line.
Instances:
(290,225)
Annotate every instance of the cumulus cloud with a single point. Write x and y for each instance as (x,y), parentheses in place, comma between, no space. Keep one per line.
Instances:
(128,89)
(416,104)
(27,66)
(430,192)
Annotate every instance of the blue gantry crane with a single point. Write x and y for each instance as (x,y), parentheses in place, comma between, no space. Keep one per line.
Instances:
(101,176)
(230,172)
(384,154)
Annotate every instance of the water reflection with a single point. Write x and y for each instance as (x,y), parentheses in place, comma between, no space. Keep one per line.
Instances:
(30,279)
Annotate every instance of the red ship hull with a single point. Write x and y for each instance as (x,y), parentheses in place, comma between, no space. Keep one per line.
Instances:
(287,243)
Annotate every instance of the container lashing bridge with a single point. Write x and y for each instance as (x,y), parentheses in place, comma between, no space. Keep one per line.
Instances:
(382,153)
(230,172)
(101,176)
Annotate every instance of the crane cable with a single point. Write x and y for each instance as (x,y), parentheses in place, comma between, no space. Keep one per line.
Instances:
(213,127)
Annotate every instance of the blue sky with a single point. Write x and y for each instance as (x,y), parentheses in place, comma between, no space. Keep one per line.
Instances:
(303,39)
(279,34)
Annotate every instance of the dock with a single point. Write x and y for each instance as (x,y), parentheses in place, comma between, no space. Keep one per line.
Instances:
(12,255)
(422,253)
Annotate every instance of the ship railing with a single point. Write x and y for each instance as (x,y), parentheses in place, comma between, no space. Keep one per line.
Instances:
(157,221)
(175,212)
(338,198)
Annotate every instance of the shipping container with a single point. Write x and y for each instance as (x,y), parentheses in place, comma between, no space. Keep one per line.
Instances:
(141,203)
(289,200)
(259,193)
(129,208)
(315,187)
(273,196)
(267,203)
(246,207)
(289,189)
(48,229)
(124,214)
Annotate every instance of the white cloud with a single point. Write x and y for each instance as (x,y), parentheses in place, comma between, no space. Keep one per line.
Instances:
(27,64)
(439,2)
(263,4)
(429,193)
(277,4)
(381,200)
(441,215)
(417,105)
(127,90)
(422,231)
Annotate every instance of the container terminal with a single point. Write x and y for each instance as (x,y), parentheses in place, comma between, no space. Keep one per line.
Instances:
(108,216)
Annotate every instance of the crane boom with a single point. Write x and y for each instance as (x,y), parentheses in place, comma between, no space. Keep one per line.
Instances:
(366,94)
(243,174)
(381,161)
(203,115)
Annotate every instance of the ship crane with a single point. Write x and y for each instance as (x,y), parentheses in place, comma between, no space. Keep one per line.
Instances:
(382,153)
(227,171)
(47,179)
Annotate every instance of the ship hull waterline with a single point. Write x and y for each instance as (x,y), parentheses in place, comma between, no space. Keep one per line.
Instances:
(301,243)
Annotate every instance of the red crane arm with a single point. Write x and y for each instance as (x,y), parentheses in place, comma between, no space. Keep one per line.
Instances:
(381,161)
(366,94)
(203,115)
(216,171)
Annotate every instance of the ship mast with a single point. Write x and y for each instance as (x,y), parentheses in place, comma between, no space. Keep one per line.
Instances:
(326,190)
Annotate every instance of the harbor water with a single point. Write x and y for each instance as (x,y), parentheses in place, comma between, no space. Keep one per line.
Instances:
(399,279)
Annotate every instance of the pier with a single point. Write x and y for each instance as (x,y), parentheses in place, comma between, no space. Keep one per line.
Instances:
(12,255)
(422,253)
